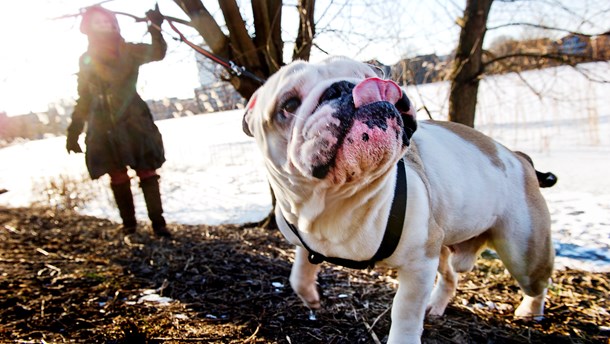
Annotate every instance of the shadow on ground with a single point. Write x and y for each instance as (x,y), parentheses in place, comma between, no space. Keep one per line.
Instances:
(66,277)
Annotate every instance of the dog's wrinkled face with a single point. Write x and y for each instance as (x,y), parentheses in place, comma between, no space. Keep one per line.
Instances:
(333,121)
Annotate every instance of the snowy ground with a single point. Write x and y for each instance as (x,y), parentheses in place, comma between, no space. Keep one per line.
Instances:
(214,173)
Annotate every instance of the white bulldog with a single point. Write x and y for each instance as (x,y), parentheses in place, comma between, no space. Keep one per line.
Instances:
(357,185)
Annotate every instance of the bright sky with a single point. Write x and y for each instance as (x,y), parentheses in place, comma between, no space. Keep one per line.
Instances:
(39,56)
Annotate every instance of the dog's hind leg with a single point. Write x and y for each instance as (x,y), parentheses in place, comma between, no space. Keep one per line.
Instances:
(527,252)
(532,306)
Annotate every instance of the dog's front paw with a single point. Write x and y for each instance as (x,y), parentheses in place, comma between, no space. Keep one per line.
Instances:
(440,298)
(438,302)
(308,292)
(303,277)
(436,310)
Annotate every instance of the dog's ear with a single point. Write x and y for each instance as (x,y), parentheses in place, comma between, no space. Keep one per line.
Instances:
(249,108)
(407,111)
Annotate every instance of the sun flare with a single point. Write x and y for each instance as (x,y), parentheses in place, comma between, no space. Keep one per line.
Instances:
(39,67)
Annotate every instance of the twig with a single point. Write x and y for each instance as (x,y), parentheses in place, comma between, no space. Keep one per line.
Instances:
(253,336)
(164,285)
(447,339)
(53,267)
(181,340)
(41,251)
(373,335)
(424,107)
(544,27)
(380,315)
(188,262)
(588,76)
(143,19)
(11,229)
(530,86)
(355,312)
(476,287)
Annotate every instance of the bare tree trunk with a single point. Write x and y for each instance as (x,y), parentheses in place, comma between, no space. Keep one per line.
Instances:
(242,48)
(267,24)
(261,54)
(268,40)
(238,46)
(244,51)
(307,30)
(468,65)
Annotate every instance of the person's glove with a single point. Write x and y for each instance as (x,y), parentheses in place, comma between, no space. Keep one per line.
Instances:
(155,16)
(72,144)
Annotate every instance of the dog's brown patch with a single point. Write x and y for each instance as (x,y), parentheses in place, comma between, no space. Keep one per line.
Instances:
(481,141)
(435,232)
(540,253)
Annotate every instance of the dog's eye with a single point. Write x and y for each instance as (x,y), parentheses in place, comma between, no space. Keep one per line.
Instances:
(291,105)
(287,110)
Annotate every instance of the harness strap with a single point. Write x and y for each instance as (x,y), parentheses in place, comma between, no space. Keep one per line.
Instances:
(391,236)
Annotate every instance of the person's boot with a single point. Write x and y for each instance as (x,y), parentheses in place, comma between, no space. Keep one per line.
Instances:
(152,197)
(124,201)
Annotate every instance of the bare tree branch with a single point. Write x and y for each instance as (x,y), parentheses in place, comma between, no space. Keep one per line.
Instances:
(572,13)
(544,27)
(563,58)
(206,26)
(590,77)
(143,19)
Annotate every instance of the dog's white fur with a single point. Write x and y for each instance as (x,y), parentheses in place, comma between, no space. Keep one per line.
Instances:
(465,192)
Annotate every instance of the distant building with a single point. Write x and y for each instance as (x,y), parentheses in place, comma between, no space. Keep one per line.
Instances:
(173,108)
(215,94)
(220,96)
(208,70)
(532,46)
(574,44)
(601,47)
(26,126)
(519,55)
(421,69)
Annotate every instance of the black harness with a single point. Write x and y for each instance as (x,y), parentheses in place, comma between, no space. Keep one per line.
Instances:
(391,236)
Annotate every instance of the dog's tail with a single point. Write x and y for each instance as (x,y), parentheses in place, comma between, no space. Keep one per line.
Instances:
(545,180)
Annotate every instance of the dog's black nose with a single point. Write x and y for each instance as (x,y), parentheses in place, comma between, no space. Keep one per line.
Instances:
(403,105)
(336,91)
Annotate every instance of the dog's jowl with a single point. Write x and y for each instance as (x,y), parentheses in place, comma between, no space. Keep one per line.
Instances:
(359,182)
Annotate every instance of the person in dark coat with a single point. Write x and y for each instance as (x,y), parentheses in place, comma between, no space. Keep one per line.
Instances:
(121,132)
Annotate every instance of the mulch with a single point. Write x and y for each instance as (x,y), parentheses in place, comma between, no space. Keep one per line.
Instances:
(71,278)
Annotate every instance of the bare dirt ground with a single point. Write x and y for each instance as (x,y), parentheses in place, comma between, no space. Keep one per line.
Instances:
(71,278)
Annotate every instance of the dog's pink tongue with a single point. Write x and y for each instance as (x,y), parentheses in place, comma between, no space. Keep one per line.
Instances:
(374,90)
